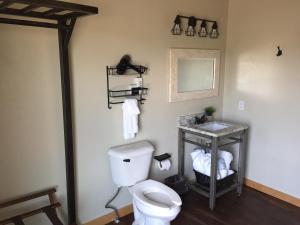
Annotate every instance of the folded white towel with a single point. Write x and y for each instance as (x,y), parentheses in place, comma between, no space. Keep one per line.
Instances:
(130,118)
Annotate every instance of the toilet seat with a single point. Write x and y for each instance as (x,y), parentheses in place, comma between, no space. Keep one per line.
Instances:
(156,198)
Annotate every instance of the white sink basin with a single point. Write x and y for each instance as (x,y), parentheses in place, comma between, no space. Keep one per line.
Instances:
(214,126)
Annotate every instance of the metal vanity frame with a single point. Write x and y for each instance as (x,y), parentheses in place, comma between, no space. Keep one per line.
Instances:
(218,141)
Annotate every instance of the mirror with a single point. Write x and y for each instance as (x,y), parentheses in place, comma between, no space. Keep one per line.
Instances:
(194,74)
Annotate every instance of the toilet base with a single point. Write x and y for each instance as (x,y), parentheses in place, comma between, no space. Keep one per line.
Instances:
(152,221)
(141,219)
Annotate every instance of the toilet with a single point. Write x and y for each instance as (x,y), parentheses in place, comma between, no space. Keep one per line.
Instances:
(153,202)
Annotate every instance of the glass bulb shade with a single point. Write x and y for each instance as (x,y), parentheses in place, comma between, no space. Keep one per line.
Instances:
(202,32)
(176,30)
(214,33)
(190,31)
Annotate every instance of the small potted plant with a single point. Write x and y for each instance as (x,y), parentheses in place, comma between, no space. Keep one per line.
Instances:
(209,112)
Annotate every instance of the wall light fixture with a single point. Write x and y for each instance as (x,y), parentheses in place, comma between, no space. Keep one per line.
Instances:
(191,28)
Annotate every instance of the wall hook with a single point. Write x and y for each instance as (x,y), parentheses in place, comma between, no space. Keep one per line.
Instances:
(279,53)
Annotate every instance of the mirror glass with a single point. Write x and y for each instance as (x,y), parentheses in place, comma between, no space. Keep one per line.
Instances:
(195,74)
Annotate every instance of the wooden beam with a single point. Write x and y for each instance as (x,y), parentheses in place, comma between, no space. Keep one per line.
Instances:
(29,23)
(71,15)
(67,116)
(61,5)
(29,9)
(6,3)
(70,31)
(17,221)
(17,12)
(52,11)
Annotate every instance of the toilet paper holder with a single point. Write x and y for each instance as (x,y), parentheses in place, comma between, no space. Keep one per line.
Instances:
(162,157)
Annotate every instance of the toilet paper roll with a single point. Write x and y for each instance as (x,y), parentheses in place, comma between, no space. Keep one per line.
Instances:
(165,164)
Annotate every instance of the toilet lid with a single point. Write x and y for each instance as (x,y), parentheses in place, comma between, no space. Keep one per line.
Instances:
(155,194)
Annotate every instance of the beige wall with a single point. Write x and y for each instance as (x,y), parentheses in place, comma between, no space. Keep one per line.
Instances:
(141,28)
(31,119)
(269,85)
(31,129)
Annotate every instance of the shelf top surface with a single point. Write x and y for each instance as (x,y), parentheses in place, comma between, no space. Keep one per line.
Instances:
(46,9)
(205,129)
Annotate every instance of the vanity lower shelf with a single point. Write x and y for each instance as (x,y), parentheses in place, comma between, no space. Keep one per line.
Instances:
(202,190)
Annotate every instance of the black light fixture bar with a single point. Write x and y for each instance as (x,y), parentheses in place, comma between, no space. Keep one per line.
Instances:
(192,23)
(198,19)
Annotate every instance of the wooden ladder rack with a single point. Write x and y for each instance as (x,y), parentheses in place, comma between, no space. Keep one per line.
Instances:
(49,210)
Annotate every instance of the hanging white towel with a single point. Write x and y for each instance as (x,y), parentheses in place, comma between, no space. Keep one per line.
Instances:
(130,118)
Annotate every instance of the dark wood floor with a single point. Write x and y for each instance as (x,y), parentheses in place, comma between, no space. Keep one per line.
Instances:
(252,208)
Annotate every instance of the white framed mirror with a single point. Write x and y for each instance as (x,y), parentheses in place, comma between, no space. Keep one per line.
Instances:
(194,74)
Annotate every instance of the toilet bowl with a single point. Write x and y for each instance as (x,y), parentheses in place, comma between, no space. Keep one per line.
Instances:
(154,203)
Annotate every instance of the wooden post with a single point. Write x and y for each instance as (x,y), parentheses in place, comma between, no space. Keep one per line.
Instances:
(64,38)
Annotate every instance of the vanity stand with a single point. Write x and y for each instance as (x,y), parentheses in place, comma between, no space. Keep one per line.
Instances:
(201,136)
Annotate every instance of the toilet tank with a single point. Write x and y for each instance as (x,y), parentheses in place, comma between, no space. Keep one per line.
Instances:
(130,163)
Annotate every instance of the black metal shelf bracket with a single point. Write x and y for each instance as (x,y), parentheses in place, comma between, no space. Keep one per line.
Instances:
(64,23)
(136,92)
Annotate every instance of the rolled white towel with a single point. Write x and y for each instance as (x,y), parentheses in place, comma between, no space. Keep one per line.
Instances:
(227,156)
(196,152)
(202,163)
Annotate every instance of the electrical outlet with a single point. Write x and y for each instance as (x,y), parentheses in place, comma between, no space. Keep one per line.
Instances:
(241,105)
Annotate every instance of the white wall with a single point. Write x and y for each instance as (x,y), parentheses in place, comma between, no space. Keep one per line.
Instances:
(269,85)
(31,120)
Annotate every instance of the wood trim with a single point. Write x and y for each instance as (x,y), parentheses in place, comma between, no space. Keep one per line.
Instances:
(270,191)
(111,216)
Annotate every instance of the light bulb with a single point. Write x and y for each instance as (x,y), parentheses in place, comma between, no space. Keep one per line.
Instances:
(176,30)
(214,32)
(190,31)
(203,31)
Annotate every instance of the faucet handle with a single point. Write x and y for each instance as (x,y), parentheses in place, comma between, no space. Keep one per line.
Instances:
(201,120)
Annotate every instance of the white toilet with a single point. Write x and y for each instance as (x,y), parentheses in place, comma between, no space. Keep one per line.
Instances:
(154,203)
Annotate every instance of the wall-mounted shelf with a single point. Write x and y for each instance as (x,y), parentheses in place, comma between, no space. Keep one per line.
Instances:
(111,70)
(135,92)
(128,93)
